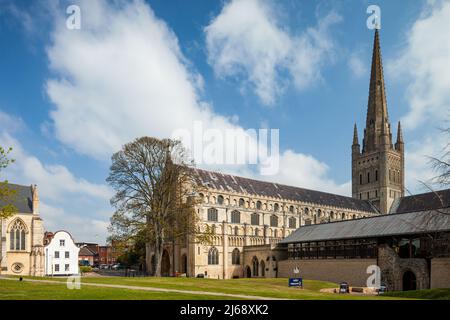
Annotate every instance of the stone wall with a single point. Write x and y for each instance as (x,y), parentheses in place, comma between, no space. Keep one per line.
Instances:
(440,273)
(393,268)
(268,257)
(353,271)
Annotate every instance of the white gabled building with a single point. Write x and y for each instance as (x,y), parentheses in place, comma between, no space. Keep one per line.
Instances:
(61,255)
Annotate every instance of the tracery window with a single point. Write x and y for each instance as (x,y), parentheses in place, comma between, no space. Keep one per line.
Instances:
(235,217)
(213,256)
(17,235)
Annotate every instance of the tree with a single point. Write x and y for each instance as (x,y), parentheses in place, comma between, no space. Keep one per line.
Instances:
(6,192)
(154,185)
(441,163)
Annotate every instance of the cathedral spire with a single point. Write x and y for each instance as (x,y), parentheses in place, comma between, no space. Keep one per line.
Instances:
(399,133)
(377,121)
(355,136)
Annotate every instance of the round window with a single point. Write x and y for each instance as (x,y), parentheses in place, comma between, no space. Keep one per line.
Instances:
(17,267)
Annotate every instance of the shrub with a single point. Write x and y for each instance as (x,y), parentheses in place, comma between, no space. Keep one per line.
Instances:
(84,269)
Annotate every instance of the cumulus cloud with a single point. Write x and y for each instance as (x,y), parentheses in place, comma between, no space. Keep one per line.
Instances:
(423,64)
(305,171)
(121,76)
(257,48)
(67,202)
(357,66)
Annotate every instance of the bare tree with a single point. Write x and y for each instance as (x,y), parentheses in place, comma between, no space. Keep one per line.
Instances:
(441,163)
(153,183)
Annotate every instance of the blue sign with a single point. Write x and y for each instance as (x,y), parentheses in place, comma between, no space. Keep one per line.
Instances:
(295,282)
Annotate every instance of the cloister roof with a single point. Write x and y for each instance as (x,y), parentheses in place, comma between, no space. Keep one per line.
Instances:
(418,222)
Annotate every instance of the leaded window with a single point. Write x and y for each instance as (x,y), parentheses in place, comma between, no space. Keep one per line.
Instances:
(254,219)
(212,214)
(213,256)
(17,235)
(236,256)
(235,217)
(274,221)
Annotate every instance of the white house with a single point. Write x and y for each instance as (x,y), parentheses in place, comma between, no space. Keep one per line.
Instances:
(61,255)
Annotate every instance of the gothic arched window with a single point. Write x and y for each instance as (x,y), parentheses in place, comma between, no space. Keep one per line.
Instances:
(241,202)
(213,256)
(220,199)
(258,205)
(254,219)
(276,207)
(17,235)
(236,256)
(212,214)
(274,221)
(235,217)
(291,209)
(292,222)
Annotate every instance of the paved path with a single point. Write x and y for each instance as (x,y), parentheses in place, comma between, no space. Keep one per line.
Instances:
(119,286)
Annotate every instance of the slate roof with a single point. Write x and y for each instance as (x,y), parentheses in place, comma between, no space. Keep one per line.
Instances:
(85,251)
(231,183)
(376,226)
(424,201)
(22,199)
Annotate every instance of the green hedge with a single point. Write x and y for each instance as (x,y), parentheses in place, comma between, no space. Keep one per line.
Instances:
(84,269)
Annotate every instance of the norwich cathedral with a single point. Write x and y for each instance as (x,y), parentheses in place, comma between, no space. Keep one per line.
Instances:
(265,229)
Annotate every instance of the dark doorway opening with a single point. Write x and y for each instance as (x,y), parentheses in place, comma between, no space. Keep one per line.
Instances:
(248,272)
(165,264)
(183,263)
(409,281)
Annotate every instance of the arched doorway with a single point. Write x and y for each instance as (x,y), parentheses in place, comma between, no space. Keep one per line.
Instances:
(248,272)
(409,281)
(255,264)
(183,263)
(165,264)
(262,266)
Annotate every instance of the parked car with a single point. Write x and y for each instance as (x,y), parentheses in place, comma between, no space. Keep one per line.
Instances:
(344,287)
(382,289)
(104,267)
(118,266)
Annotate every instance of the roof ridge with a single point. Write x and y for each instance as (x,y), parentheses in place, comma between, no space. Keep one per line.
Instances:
(285,185)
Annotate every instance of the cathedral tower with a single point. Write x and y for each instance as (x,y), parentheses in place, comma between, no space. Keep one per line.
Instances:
(378,169)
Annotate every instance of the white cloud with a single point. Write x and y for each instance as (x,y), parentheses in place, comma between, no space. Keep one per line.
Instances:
(258,48)
(356,64)
(122,76)
(67,202)
(305,171)
(424,65)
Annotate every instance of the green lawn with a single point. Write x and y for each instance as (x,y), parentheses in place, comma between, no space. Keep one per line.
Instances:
(272,288)
(16,290)
(435,294)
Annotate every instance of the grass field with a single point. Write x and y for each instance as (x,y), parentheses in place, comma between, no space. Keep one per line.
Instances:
(15,290)
(434,294)
(269,288)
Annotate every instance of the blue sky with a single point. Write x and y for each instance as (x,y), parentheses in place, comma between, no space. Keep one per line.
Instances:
(70,98)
